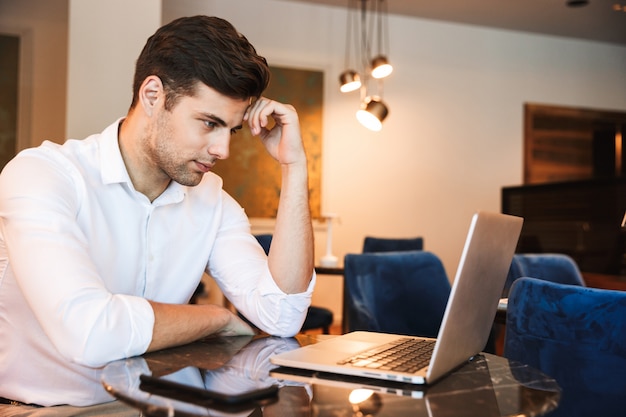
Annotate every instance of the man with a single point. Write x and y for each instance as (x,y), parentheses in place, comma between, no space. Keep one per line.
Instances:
(103,240)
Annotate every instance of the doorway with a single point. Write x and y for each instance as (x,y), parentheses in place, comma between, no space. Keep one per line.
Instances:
(9,85)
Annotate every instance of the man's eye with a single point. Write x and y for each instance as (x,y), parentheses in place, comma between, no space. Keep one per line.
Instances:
(234,131)
(210,124)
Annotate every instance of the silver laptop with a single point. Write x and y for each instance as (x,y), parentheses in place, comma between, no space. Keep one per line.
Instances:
(466,323)
(348,382)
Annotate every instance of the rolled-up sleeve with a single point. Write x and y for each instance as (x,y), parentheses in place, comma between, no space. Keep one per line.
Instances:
(239,266)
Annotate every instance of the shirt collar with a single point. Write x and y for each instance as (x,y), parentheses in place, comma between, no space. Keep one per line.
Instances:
(111,162)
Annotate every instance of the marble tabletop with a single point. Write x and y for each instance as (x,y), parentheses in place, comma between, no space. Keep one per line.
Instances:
(488,385)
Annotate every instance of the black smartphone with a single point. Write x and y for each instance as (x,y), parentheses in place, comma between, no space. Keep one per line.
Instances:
(201,396)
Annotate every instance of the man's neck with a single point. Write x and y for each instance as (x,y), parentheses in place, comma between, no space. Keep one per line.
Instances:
(146,178)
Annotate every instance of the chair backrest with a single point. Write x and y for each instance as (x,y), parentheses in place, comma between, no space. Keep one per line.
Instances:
(378,244)
(575,334)
(395,292)
(265,240)
(554,267)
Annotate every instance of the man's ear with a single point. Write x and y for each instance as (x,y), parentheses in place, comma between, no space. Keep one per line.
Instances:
(151,94)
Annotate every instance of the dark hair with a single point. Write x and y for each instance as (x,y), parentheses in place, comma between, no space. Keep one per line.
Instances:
(203,49)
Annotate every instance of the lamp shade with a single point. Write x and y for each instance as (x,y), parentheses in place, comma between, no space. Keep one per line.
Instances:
(372,113)
(381,67)
(349,80)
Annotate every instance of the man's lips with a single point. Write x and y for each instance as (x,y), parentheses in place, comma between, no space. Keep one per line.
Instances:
(204,167)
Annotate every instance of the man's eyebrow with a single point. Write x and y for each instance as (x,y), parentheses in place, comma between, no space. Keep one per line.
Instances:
(219,121)
(213,117)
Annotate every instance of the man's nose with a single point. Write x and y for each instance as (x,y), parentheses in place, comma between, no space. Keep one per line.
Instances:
(219,147)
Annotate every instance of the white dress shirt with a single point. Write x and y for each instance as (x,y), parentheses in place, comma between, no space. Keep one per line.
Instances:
(81,251)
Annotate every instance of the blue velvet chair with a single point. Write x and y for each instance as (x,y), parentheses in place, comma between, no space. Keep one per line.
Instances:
(265,240)
(553,267)
(316,317)
(395,292)
(378,244)
(575,334)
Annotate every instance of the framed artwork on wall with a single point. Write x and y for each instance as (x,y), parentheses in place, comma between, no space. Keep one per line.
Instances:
(250,174)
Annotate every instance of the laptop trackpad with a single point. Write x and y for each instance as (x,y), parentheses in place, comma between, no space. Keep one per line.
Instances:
(346,346)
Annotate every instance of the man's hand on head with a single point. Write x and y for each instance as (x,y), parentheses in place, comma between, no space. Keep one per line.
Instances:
(283,140)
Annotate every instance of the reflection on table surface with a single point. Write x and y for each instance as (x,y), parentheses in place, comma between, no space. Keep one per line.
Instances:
(487,386)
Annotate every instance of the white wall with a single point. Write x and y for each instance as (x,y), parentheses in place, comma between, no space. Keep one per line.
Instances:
(105,40)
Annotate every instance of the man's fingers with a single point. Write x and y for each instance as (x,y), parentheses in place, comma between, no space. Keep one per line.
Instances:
(257,117)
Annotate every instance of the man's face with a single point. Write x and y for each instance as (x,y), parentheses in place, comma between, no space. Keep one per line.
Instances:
(186,141)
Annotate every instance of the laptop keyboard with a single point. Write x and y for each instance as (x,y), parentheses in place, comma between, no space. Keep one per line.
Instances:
(403,355)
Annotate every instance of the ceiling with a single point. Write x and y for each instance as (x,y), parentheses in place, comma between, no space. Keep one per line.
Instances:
(598,20)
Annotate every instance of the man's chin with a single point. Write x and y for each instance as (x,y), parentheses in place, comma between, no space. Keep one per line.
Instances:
(188,180)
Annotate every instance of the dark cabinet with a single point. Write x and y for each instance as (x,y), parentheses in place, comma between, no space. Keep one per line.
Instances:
(579,218)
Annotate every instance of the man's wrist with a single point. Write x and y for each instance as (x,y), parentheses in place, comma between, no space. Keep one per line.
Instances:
(296,168)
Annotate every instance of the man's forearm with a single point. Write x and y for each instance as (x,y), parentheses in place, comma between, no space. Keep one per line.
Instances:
(291,255)
(176,324)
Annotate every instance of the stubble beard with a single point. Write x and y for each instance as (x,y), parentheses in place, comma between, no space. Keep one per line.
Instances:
(166,156)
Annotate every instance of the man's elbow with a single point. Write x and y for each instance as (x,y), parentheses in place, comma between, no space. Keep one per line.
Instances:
(93,352)
(284,328)
(288,332)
